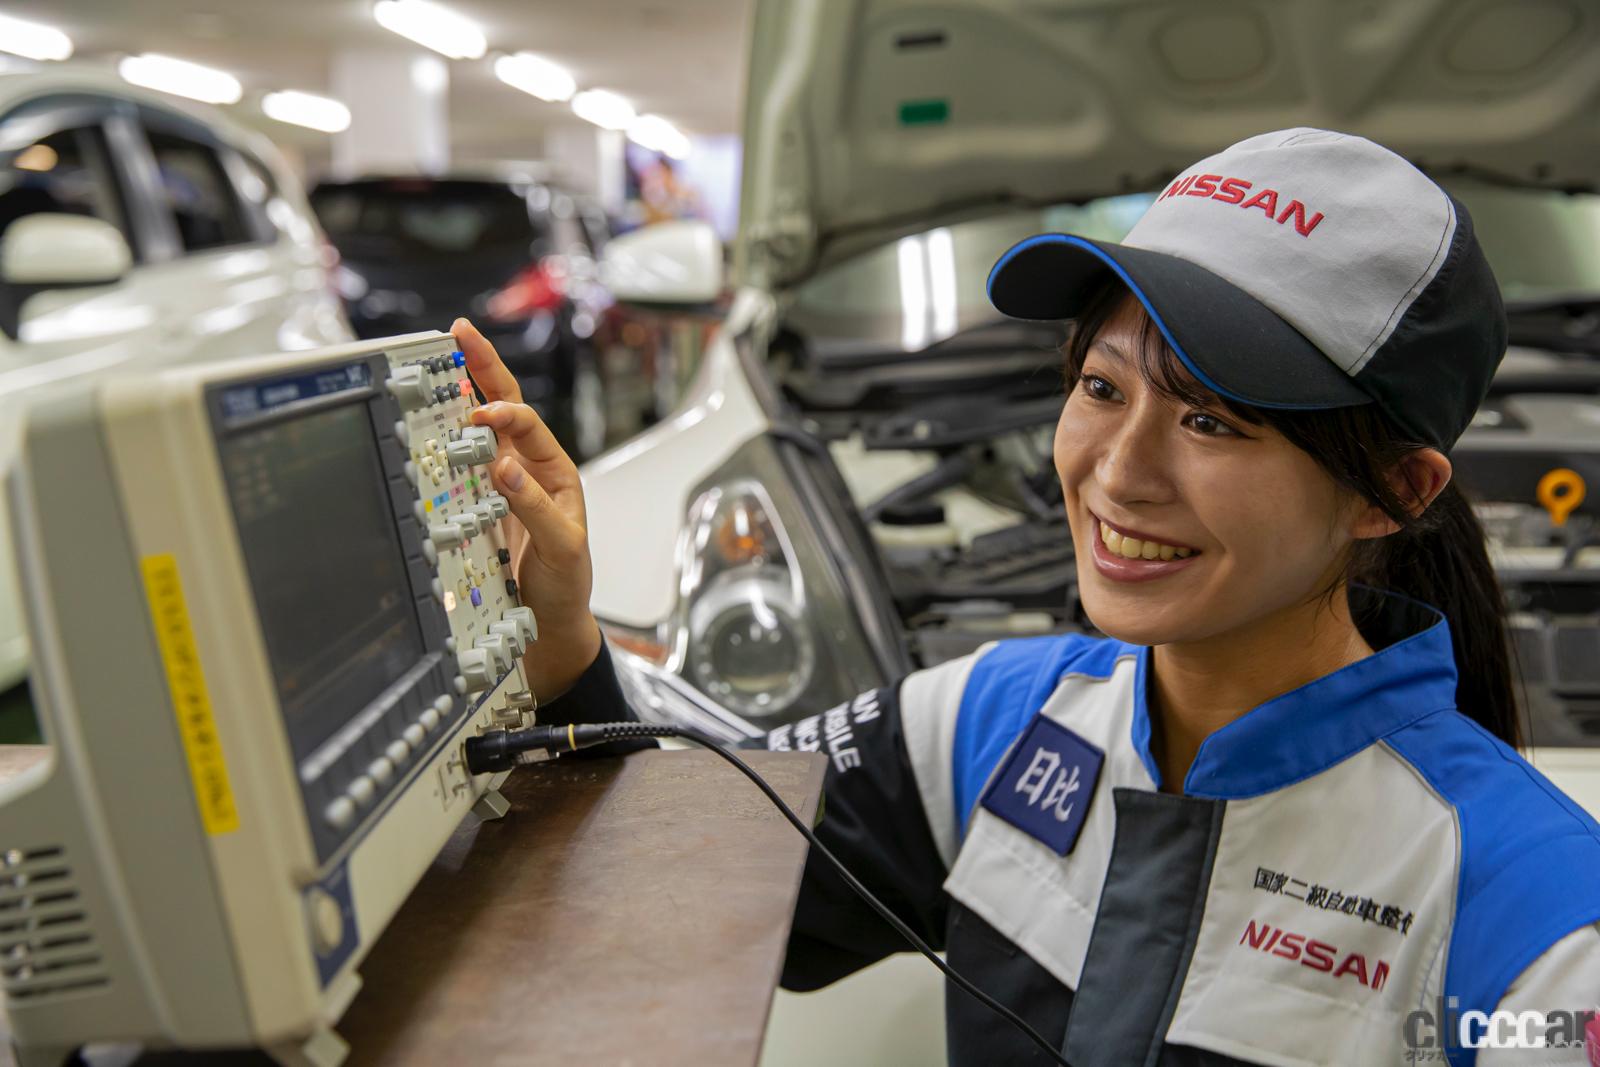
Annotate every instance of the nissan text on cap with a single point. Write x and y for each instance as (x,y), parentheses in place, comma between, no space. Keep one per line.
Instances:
(1297,269)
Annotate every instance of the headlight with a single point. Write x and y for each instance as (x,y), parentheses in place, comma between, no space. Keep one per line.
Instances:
(749,646)
(762,626)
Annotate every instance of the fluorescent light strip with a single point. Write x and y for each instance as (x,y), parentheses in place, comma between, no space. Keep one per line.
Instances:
(604,109)
(432,26)
(181,78)
(33,40)
(913,263)
(659,135)
(942,282)
(307,109)
(536,76)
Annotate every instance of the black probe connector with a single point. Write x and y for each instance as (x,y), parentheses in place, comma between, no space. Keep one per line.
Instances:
(498,751)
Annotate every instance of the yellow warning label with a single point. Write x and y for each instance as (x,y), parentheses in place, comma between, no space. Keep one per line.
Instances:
(190,700)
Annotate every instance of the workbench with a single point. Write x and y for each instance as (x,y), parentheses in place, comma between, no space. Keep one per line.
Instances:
(624,911)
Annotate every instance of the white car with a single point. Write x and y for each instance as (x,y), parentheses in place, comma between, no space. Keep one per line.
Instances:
(135,231)
(861,484)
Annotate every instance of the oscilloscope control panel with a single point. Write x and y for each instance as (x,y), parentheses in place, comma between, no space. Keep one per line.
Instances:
(466,631)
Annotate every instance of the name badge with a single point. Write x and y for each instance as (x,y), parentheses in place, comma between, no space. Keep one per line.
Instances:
(1045,786)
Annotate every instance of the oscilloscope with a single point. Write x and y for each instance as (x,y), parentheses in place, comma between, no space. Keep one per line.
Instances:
(268,601)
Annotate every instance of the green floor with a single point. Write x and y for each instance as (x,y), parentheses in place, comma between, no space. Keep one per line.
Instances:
(17,724)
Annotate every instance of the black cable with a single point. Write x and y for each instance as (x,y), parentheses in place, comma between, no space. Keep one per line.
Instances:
(498,751)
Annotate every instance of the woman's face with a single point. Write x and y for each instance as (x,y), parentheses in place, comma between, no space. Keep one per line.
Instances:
(1227,523)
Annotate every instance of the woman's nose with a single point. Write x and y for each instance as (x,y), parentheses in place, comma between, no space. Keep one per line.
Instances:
(1133,465)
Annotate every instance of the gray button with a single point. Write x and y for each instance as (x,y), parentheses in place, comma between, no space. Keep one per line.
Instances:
(411,386)
(362,790)
(327,921)
(340,813)
(381,770)
(397,752)
(444,703)
(469,523)
(476,445)
(511,632)
(445,534)
(477,669)
(414,735)
(523,617)
(429,719)
(430,553)
(497,505)
(499,647)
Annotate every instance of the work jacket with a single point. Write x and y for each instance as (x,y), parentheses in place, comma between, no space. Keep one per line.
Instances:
(1352,870)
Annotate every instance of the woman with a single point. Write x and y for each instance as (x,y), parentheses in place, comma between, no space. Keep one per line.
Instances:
(1276,816)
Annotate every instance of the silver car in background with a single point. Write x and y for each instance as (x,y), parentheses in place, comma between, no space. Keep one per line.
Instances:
(138,232)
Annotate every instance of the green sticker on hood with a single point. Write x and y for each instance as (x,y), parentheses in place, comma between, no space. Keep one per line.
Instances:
(924,112)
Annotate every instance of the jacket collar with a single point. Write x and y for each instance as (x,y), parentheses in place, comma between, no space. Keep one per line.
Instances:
(1309,729)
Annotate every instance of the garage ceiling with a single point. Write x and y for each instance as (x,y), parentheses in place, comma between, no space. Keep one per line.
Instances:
(682,59)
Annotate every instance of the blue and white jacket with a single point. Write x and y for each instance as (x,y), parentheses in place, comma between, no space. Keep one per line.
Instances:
(1352,869)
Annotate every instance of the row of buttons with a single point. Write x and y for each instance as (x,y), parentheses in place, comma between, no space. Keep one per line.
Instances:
(361,792)
(496,652)
(476,445)
(414,387)
(469,522)
(440,364)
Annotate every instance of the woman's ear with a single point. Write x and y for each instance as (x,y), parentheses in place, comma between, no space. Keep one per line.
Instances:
(1416,480)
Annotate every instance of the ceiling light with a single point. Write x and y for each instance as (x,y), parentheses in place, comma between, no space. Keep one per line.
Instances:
(607,110)
(430,75)
(432,26)
(307,109)
(33,40)
(181,78)
(659,135)
(536,76)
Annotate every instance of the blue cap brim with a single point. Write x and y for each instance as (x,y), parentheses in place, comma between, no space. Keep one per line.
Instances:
(1232,343)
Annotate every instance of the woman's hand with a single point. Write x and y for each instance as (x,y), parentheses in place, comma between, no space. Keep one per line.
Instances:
(551,549)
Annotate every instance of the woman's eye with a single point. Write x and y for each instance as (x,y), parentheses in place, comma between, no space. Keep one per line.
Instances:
(1209,425)
(1098,387)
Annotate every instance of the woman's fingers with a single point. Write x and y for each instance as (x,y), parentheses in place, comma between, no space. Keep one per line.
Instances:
(485,365)
(535,451)
(552,534)
(522,426)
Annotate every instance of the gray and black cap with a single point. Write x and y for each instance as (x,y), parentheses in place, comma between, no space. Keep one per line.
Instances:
(1297,269)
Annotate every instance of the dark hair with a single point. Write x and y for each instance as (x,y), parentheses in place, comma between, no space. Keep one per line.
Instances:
(1438,557)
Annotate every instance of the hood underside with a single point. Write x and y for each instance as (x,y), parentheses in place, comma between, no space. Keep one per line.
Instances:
(869,118)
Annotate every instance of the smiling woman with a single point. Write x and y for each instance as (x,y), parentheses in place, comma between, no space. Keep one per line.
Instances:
(1279,806)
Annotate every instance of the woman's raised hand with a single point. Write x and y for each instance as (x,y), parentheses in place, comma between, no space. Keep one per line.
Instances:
(551,551)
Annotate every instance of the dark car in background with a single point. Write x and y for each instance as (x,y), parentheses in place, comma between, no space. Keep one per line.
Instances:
(517,255)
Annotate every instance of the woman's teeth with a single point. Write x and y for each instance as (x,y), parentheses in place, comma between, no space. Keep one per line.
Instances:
(1133,548)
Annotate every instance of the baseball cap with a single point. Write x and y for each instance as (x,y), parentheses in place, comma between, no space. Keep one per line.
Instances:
(1297,269)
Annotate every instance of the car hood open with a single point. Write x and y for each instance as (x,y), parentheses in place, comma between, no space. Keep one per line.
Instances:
(870,118)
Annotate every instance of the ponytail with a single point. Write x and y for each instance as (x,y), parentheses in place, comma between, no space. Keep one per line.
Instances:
(1441,559)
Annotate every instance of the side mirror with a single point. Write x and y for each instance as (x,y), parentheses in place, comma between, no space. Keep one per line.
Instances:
(47,250)
(673,263)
